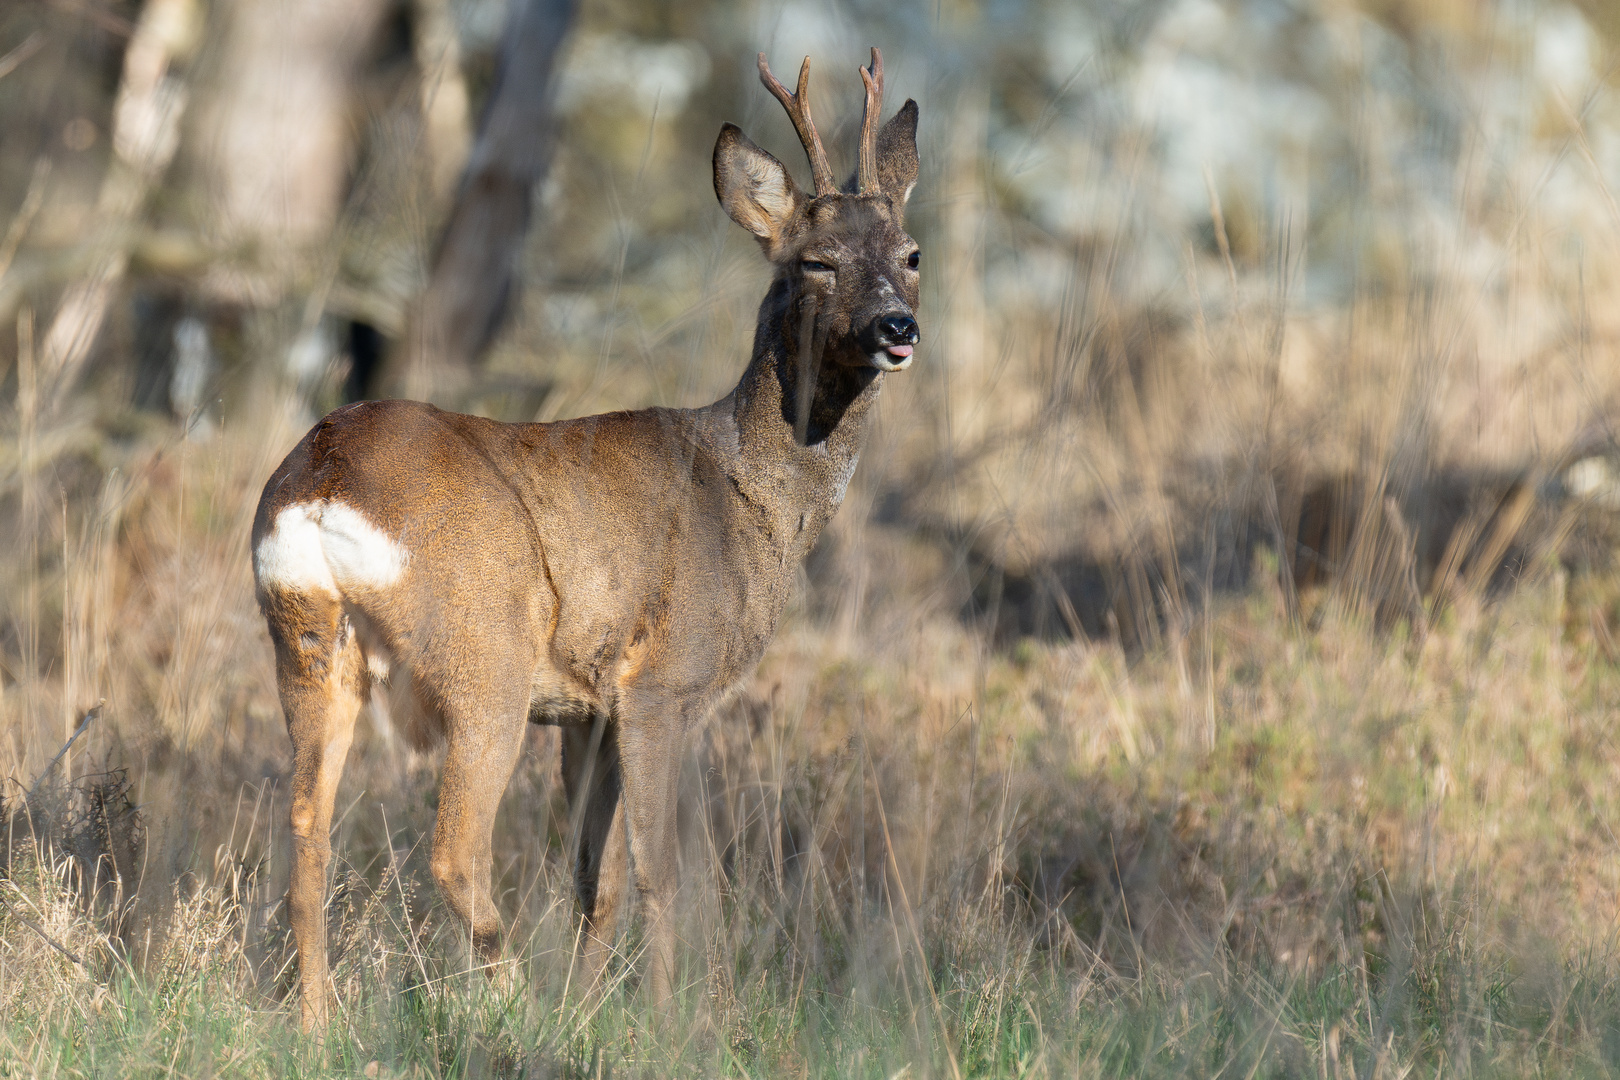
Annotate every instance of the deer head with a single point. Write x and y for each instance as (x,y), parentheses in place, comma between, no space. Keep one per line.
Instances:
(846,270)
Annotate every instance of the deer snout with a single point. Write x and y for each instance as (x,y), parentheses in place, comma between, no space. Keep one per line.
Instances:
(897,330)
(890,340)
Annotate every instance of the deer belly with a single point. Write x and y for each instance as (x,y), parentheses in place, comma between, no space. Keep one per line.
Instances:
(556,700)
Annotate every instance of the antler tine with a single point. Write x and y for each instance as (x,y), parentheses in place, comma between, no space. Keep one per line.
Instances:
(798,110)
(866,171)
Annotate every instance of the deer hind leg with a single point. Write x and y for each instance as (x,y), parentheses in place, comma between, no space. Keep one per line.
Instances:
(590,768)
(484,743)
(321,674)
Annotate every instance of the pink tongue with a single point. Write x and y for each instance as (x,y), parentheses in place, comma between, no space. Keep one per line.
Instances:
(900,350)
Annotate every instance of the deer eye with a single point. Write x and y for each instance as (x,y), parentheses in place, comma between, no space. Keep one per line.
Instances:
(811,266)
(913,259)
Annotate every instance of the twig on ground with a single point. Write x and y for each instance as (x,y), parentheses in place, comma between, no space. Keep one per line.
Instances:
(38,929)
(90,715)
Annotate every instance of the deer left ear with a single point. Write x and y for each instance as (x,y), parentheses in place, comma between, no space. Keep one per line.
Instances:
(897,154)
(754,188)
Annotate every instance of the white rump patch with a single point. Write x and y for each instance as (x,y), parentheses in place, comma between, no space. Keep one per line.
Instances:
(291,556)
(330,547)
(359,553)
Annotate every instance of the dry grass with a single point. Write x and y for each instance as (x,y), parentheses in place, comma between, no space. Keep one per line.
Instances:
(1266,844)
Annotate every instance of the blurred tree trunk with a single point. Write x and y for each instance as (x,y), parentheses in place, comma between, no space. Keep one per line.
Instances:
(273,142)
(473,277)
(278,140)
(146,123)
(444,94)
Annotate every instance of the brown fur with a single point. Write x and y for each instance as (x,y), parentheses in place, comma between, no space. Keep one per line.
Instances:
(615,574)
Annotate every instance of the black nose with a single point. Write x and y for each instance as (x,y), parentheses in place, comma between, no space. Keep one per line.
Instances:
(897,330)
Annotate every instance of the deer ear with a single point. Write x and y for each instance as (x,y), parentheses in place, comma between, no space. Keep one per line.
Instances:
(897,154)
(754,187)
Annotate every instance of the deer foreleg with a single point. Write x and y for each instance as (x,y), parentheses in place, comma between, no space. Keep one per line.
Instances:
(649,753)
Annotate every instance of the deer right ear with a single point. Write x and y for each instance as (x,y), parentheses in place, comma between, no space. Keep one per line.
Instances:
(897,153)
(754,188)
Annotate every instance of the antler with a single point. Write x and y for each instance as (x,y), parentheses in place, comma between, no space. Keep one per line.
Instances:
(866,170)
(798,110)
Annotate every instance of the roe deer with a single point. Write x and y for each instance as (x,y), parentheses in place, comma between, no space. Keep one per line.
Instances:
(615,575)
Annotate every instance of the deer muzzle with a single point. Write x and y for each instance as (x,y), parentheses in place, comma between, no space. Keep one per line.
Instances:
(891,340)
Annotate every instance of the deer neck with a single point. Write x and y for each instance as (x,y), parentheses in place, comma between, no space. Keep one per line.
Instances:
(800,419)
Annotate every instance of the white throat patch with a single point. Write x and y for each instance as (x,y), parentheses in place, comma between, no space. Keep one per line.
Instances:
(327,546)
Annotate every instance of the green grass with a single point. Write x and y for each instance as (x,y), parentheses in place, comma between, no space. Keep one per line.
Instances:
(1439,1008)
